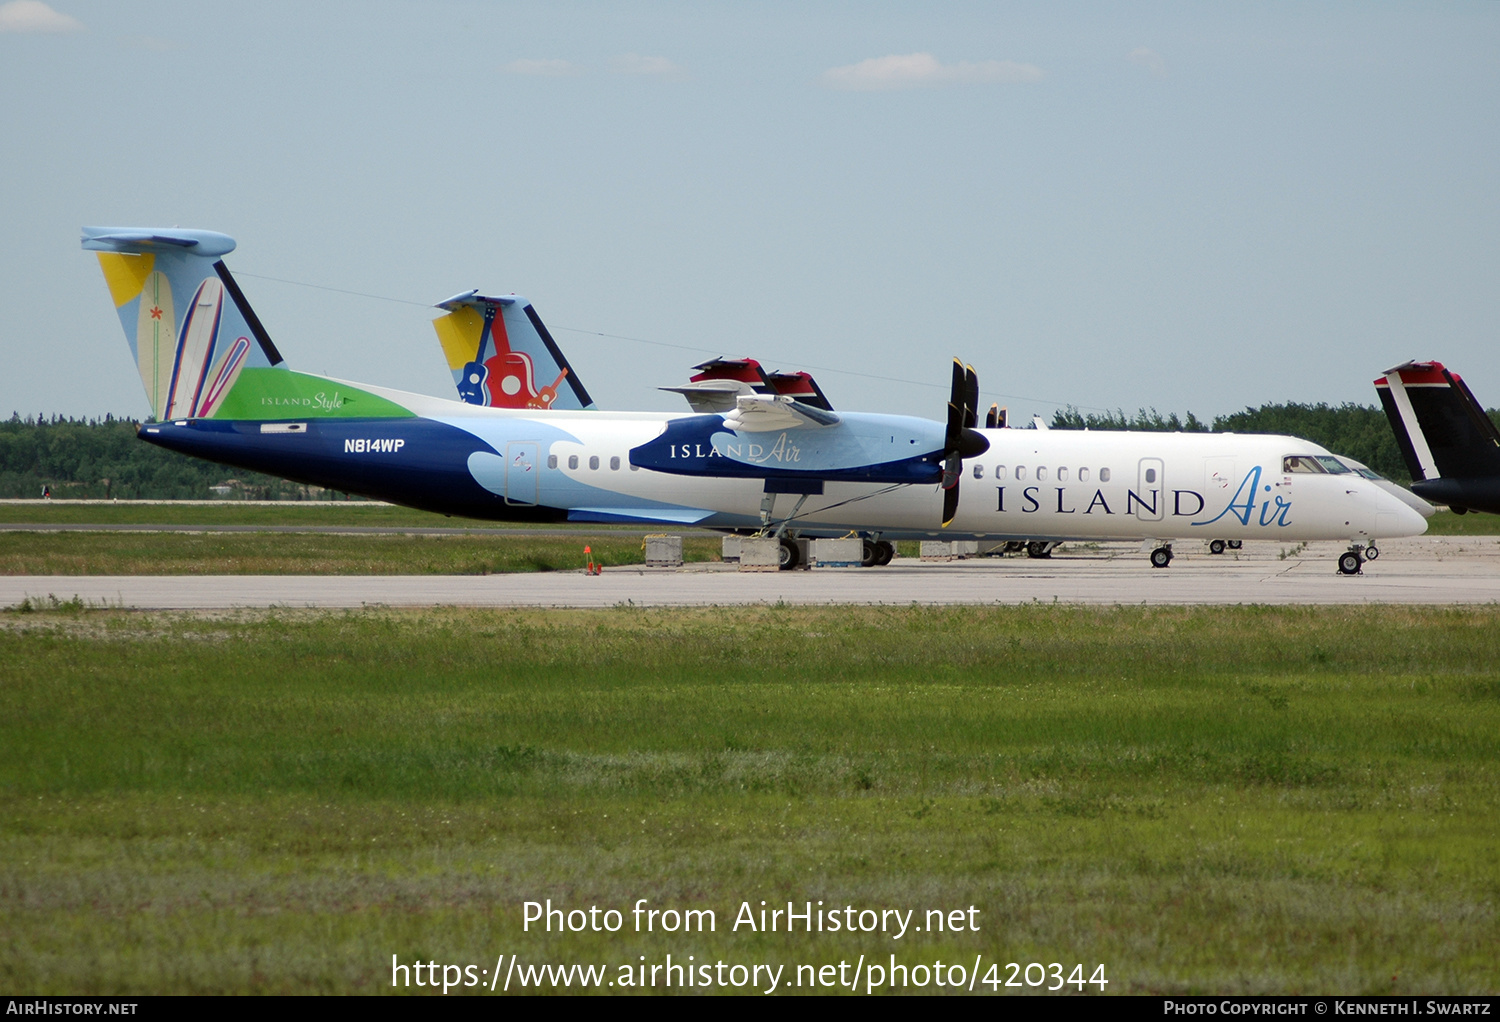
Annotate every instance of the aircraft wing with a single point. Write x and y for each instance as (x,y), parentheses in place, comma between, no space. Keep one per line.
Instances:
(762,413)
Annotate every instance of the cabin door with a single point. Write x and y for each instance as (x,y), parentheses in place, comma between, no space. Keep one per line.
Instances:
(1150,494)
(522,478)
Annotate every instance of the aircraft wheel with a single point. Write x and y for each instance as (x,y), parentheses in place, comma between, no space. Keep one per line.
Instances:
(1216,546)
(885,552)
(1371,552)
(1349,562)
(1235,544)
(790,556)
(870,555)
(1037,548)
(1161,557)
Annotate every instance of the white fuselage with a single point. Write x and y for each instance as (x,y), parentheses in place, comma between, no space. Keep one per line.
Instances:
(1030,484)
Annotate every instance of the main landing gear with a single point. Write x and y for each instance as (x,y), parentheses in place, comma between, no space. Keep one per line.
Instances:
(877,553)
(791,553)
(1161,556)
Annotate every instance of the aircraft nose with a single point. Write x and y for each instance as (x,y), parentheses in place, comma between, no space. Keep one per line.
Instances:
(1407,497)
(1408,521)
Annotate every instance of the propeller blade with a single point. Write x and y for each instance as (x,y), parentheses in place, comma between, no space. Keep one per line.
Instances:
(992,420)
(952,469)
(956,399)
(950,503)
(960,440)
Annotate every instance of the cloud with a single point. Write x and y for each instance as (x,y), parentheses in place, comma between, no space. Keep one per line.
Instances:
(635,64)
(923,70)
(1148,59)
(542,68)
(35,16)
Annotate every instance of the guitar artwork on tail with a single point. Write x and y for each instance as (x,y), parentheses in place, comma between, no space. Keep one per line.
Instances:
(507,377)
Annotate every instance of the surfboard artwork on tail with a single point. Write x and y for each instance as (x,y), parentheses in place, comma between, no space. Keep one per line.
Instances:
(761,453)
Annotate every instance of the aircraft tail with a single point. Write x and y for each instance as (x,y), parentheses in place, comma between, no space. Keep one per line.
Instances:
(1441,429)
(189,326)
(502,356)
(719,382)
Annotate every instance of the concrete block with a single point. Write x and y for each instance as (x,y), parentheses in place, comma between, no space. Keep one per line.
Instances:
(949,549)
(663,551)
(730,549)
(760,554)
(838,553)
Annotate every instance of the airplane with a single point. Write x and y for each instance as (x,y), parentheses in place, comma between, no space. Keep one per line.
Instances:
(1448,442)
(528,443)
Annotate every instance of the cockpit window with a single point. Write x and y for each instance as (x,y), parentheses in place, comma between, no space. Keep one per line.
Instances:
(1363,471)
(1333,465)
(1302,463)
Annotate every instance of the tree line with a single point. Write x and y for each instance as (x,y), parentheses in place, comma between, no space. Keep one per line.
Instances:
(1358,431)
(102,459)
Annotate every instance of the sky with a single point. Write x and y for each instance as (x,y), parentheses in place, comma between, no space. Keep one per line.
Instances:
(1181,206)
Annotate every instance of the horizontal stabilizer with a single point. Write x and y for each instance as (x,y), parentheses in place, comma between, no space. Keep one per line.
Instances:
(135,240)
(711,396)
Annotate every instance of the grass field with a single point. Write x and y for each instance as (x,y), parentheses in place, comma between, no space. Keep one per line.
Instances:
(266,553)
(235,512)
(1209,800)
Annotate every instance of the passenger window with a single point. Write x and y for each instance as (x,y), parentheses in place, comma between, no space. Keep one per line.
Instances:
(1041,474)
(1083,475)
(978,471)
(614,463)
(999,471)
(1104,475)
(572,461)
(594,461)
(1020,471)
(635,468)
(551,461)
(1062,475)
(1150,475)
(1302,463)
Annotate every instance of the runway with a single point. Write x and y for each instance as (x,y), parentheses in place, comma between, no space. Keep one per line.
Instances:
(1439,570)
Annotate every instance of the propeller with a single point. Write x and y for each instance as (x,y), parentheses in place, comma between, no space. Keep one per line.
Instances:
(961,439)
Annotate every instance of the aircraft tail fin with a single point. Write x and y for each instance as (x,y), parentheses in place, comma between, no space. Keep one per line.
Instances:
(189,326)
(1440,428)
(502,356)
(800,386)
(719,382)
